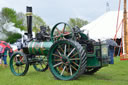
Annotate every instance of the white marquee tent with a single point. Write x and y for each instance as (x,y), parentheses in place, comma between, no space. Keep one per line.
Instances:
(104,27)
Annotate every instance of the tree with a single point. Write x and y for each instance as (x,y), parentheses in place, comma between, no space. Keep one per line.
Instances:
(9,14)
(20,19)
(3,31)
(20,23)
(37,22)
(13,37)
(77,22)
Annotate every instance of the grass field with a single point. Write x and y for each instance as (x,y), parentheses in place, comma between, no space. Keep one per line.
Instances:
(116,74)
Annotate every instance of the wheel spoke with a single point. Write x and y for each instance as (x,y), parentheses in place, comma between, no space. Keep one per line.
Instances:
(59,52)
(70,70)
(44,62)
(18,70)
(71,52)
(21,68)
(64,38)
(66,34)
(61,67)
(61,49)
(75,59)
(63,70)
(41,66)
(57,64)
(58,30)
(69,46)
(58,60)
(21,60)
(74,55)
(75,64)
(16,58)
(57,36)
(73,67)
(67,69)
(65,50)
(56,55)
(64,28)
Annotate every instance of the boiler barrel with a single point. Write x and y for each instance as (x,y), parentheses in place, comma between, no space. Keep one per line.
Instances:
(39,48)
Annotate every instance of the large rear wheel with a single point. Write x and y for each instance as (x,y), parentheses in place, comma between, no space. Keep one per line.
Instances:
(67,59)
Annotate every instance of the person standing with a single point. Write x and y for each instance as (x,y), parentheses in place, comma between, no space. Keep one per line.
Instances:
(6,51)
(111,54)
(5,57)
(1,53)
(0,60)
(111,49)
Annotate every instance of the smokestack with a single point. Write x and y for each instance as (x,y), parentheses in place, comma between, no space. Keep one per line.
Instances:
(29,21)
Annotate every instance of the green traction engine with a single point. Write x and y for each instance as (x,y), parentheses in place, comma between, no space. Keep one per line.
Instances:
(66,51)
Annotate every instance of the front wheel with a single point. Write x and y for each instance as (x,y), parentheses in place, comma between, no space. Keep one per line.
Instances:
(19,64)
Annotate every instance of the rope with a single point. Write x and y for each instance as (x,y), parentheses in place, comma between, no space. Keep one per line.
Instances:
(122,39)
(117,20)
(120,48)
(118,30)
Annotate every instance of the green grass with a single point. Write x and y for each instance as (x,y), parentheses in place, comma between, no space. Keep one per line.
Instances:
(116,74)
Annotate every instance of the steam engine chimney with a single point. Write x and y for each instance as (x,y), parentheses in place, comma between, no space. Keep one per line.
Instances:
(29,21)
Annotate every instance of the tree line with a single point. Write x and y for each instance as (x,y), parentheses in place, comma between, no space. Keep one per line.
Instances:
(9,15)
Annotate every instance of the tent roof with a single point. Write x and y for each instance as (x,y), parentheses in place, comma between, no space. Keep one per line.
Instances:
(105,26)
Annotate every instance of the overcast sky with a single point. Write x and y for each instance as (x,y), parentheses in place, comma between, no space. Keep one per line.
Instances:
(53,11)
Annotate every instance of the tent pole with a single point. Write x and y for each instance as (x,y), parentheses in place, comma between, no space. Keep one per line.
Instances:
(125,28)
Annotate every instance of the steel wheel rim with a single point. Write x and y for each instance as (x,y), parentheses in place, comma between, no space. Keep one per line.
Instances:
(18,64)
(65,69)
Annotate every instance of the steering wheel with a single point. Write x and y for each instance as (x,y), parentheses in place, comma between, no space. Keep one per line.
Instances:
(59,33)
